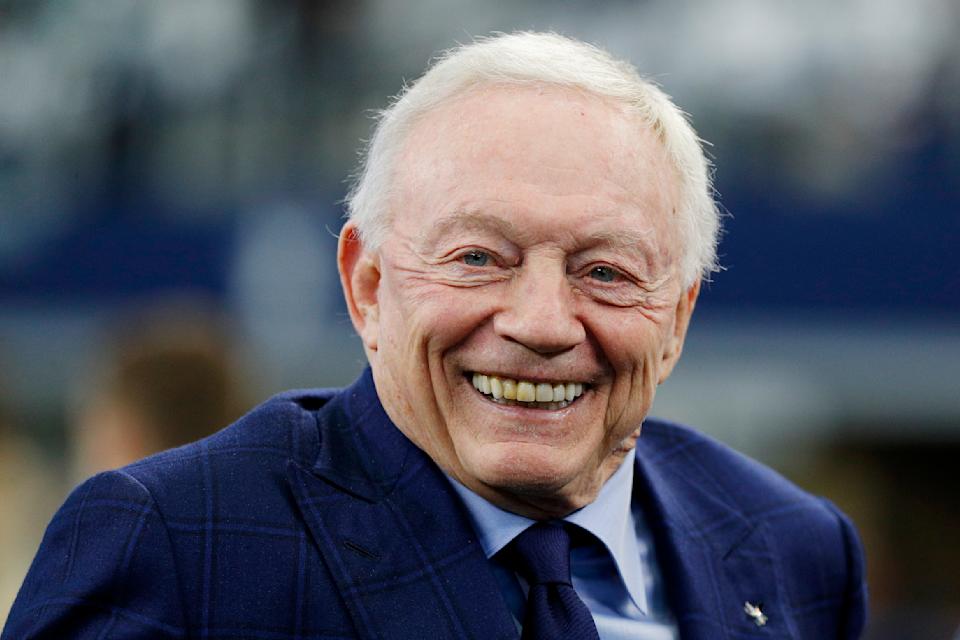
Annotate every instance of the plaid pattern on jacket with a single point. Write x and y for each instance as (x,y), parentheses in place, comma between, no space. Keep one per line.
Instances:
(314,518)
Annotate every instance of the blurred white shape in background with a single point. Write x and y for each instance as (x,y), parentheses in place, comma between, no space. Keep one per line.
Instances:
(196,48)
(67,71)
(839,83)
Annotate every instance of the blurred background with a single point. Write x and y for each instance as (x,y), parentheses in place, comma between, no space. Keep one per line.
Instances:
(170,179)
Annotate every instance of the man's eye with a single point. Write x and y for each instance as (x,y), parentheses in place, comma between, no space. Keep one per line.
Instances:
(476,258)
(603,274)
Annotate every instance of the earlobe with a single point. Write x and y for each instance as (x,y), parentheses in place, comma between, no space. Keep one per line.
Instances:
(360,279)
(681,320)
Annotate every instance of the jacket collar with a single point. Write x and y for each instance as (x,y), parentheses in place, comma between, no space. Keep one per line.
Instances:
(361,451)
(393,534)
(400,545)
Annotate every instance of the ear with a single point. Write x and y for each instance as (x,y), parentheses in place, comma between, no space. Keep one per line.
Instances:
(360,279)
(681,320)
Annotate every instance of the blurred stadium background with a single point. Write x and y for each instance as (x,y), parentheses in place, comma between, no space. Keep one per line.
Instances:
(185,160)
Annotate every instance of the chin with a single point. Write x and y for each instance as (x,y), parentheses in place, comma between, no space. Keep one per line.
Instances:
(531,471)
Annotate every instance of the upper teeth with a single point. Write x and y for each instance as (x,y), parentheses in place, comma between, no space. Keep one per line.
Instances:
(525,391)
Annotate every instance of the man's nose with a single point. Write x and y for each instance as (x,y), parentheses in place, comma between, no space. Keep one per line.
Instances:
(539,311)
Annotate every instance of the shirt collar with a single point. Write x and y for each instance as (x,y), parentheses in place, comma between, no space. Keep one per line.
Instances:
(609,518)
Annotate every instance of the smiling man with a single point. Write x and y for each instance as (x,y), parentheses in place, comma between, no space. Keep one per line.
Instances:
(542,262)
(524,252)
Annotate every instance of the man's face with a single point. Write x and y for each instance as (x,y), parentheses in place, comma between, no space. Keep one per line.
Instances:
(534,242)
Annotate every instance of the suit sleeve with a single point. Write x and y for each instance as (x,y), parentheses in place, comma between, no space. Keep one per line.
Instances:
(105,569)
(853,616)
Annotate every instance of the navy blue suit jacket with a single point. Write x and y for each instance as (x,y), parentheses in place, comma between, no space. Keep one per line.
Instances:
(314,517)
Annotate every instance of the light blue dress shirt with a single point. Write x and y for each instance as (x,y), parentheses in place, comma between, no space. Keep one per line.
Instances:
(618,580)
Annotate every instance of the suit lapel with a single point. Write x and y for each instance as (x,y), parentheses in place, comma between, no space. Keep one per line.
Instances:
(391,530)
(407,563)
(713,559)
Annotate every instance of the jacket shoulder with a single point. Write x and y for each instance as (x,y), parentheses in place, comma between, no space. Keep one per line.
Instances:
(815,545)
(154,549)
(103,568)
(281,428)
(238,473)
(744,483)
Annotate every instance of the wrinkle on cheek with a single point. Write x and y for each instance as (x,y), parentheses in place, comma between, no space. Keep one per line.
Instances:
(415,283)
(413,274)
(635,390)
(661,301)
(437,278)
(652,308)
(656,311)
(423,286)
(426,304)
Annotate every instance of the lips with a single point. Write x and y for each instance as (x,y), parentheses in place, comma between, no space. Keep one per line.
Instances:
(541,395)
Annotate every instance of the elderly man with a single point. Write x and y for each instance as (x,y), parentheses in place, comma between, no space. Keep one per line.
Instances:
(523,255)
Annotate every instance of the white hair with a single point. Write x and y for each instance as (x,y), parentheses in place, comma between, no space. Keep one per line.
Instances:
(526,58)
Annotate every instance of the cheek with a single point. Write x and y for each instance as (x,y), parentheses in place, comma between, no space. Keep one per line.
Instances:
(437,317)
(452,319)
(634,347)
(632,341)
(405,312)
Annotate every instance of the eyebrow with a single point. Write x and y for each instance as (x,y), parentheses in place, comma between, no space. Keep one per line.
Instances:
(469,220)
(625,240)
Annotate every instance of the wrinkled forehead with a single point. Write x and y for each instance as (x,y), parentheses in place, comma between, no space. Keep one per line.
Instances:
(501,139)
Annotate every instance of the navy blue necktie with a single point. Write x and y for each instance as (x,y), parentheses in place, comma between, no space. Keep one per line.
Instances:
(554,611)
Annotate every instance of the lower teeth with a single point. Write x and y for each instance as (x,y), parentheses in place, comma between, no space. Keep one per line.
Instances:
(530,405)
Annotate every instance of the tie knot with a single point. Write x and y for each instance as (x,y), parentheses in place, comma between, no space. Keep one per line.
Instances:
(541,554)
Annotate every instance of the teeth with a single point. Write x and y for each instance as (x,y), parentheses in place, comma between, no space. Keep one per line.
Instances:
(542,394)
(526,392)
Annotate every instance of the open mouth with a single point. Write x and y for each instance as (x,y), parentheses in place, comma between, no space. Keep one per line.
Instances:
(525,393)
